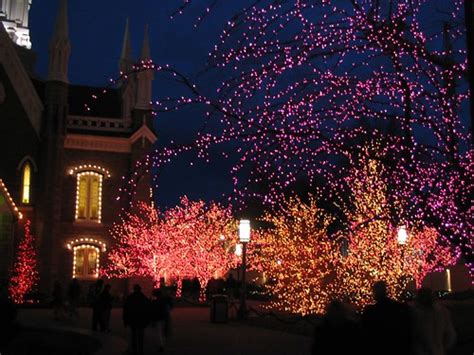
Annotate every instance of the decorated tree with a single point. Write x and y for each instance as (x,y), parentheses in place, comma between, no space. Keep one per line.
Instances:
(142,246)
(191,240)
(426,251)
(24,275)
(298,257)
(375,250)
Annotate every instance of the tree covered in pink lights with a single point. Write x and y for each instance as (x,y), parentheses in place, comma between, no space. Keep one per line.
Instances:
(307,83)
(25,273)
(191,240)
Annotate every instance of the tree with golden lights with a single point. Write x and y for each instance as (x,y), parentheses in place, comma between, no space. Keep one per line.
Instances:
(297,256)
(374,249)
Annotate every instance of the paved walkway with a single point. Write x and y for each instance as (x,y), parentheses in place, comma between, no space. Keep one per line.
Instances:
(192,334)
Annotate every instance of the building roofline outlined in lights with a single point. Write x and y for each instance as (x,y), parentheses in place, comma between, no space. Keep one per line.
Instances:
(10,201)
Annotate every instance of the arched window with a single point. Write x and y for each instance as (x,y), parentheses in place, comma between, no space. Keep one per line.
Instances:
(86,261)
(89,196)
(89,180)
(26,183)
(86,257)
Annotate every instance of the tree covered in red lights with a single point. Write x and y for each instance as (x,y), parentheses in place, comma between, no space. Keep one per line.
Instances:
(24,275)
(191,240)
(307,83)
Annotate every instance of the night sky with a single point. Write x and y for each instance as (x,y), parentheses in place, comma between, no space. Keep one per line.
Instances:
(96,31)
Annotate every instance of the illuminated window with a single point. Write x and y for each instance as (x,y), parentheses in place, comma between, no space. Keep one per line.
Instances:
(89,196)
(26,190)
(85,261)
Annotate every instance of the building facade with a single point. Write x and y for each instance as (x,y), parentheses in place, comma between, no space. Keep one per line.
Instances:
(64,162)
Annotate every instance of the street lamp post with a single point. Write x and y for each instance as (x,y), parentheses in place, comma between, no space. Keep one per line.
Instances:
(244,236)
(402,237)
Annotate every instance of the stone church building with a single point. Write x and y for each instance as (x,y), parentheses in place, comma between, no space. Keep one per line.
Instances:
(63,163)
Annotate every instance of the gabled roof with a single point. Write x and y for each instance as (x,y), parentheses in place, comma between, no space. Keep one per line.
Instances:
(20,80)
(143,131)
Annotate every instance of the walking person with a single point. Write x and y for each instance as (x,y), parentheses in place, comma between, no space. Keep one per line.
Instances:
(230,286)
(94,293)
(105,308)
(338,332)
(136,315)
(387,325)
(74,296)
(161,317)
(58,301)
(434,332)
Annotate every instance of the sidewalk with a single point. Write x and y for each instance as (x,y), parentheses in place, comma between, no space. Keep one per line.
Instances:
(192,334)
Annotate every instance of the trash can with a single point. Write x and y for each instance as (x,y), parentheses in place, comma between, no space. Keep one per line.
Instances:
(219,309)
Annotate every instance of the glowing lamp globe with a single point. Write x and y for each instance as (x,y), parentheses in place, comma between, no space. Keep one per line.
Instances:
(244,230)
(402,235)
(238,249)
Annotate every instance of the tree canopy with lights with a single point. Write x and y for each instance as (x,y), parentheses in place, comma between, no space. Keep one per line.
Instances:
(374,250)
(191,240)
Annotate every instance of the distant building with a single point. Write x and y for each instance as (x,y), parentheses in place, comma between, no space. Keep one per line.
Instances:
(62,163)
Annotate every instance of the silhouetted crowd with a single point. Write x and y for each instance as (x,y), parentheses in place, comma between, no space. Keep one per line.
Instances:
(387,327)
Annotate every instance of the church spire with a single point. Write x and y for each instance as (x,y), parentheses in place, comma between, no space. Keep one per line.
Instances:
(59,47)
(146,46)
(145,77)
(125,63)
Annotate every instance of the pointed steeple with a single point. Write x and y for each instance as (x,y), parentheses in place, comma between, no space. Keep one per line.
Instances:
(145,55)
(125,63)
(61,29)
(145,77)
(60,47)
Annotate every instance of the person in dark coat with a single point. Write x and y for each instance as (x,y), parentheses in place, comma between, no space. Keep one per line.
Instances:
(105,307)
(74,296)
(136,315)
(58,300)
(230,285)
(161,306)
(434,330)
(94,293)
(387,325)
(338,332)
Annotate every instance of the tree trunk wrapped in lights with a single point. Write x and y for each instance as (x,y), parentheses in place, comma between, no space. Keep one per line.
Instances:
(25,275)
(189,241)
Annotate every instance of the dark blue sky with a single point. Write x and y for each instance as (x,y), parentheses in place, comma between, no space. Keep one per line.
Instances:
(96,32)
